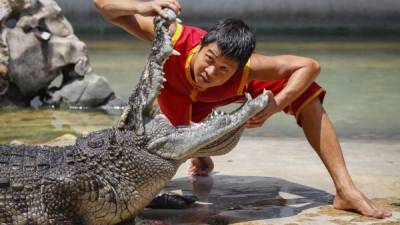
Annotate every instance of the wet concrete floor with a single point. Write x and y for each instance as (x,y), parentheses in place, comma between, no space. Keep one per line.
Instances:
(282,181)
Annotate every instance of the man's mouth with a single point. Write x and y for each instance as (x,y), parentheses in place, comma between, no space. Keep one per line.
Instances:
(205,78)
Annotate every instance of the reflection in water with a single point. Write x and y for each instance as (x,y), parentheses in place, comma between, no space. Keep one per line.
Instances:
(42,125)
(228,199)
(201,186)
(251,200)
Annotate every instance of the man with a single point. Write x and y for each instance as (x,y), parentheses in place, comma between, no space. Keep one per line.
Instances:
(217,67)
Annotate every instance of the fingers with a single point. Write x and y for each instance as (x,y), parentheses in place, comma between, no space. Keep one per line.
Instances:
(254,123)
(172,4)
(159,11)
(153,8)
(260,117)
(176,7)
(249,124)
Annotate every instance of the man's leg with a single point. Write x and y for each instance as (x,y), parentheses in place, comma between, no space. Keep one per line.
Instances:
(322,136)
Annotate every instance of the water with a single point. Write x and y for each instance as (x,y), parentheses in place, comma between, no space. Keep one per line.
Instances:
(361,76)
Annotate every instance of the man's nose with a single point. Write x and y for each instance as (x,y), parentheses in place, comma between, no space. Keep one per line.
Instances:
(210,70)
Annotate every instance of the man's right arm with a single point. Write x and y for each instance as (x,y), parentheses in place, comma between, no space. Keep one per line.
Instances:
(135,16)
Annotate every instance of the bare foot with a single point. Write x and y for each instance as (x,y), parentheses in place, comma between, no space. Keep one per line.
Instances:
(354,200)
(201,166)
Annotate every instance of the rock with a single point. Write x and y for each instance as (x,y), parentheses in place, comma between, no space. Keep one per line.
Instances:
(91,91)
(37,48)
(30,69)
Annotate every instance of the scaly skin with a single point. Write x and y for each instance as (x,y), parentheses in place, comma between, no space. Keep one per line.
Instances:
(109,176)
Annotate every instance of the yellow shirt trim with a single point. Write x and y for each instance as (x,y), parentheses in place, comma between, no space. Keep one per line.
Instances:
(315,95)
(190,112)
(177,34)
(187,64)
(195,89)
(245,77)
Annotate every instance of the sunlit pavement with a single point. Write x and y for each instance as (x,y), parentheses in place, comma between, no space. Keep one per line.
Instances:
(282,181)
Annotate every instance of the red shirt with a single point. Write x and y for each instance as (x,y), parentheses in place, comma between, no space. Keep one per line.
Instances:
(180,100)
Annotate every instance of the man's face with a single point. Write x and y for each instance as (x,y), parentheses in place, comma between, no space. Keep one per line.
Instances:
(211,68)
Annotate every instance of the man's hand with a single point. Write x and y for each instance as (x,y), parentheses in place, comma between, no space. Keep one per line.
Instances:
(201,166)
(134,16)
(259,119)
(155,7)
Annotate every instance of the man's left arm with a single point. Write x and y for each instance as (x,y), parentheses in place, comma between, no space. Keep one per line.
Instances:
(299,72)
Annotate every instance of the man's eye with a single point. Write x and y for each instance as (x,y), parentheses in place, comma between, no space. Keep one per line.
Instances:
(223,69)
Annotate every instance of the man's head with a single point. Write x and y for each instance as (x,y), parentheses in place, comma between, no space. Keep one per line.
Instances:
(224,50)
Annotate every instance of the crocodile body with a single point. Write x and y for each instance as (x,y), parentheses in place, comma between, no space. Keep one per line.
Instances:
(109,176)
(88,183)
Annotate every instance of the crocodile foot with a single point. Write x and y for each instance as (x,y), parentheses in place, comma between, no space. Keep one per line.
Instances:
(172,201)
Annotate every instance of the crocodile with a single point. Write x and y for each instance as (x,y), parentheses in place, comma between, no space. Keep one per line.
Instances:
(109,176)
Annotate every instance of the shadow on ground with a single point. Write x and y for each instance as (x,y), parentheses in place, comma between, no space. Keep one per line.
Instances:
(227,199)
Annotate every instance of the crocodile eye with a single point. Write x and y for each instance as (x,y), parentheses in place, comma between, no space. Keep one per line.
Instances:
(96,143)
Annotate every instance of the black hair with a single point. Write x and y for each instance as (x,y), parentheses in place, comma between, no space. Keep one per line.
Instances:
(235,39)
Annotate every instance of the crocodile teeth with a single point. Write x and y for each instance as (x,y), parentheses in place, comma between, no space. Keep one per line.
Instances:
(175,52)
(214,113)
(248,96)
(178,20)
(164,79)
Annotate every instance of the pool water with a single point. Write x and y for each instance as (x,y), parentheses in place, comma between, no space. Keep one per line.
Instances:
(361,76)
